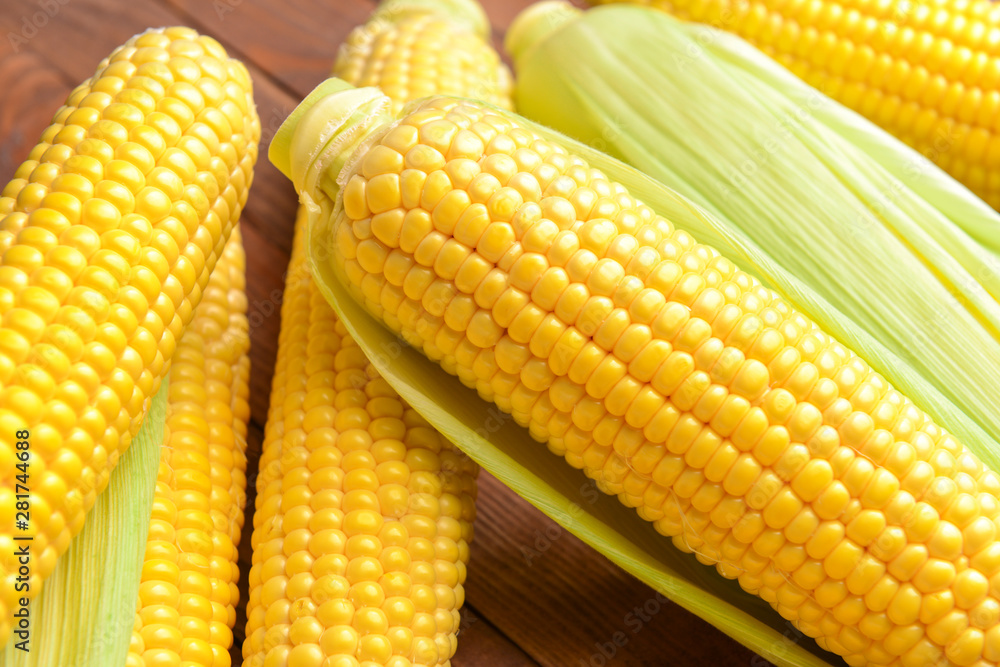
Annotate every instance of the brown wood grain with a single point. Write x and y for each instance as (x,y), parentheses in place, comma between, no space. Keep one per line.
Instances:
(481,643)
(83,32)
(536,595)
(567,606)
(32,91)
(294,41)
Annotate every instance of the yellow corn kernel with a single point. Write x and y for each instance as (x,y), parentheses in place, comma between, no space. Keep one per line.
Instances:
(107,245)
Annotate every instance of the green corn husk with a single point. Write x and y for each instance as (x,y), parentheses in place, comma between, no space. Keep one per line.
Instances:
(321,137)
(814,190)
(460,11)
(85,613)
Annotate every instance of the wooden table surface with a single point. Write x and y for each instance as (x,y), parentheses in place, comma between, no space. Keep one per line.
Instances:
(535,594)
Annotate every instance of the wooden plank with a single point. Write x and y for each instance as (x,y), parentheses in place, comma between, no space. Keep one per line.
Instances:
(265,288)
(480,643)
(298,39)
(295,41)
(566,606)
(32,91)
(255,436)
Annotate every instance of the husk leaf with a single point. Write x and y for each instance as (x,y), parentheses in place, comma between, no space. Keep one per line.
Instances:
(85,613)
(877,235)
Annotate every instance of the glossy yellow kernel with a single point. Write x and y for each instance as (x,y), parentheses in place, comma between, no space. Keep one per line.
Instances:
(934,575)
(380,160)
(355,198)
(340,640)
(382,193)
(424,158)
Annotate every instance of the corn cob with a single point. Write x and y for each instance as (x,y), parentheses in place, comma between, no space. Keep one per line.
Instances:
(364,513)
(678,382)
(109,232)
(415,49)
(926,71)
(186,606)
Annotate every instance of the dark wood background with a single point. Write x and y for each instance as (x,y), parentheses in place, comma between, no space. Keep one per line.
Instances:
(535,594)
